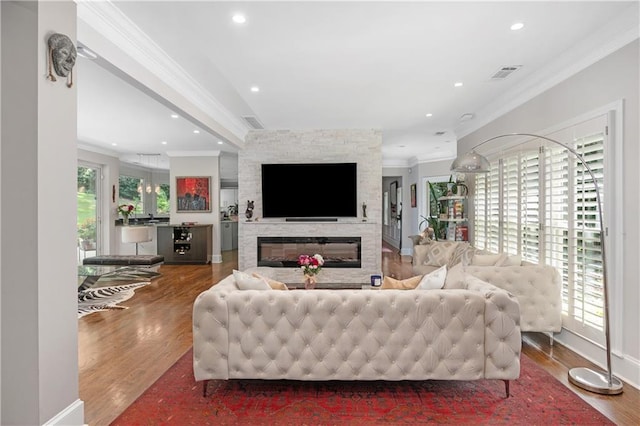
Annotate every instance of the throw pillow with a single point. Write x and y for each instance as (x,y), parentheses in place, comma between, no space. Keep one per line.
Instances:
(455,277)
(463,253)
(434,280)
(439,253)
(276,285)
(407,284)
(487,259)
(247,282)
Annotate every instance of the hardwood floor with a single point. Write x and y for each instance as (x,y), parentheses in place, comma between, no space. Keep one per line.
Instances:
(123,352)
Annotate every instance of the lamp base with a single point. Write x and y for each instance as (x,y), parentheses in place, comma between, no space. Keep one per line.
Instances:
(595,381)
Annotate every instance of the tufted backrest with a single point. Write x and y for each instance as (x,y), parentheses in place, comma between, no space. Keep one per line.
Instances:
(356,334)
(537,288)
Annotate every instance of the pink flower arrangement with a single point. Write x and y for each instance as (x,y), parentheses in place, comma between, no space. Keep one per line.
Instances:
(125,209)
(310,265)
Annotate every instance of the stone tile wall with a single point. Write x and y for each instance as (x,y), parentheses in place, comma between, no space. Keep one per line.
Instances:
(363,147)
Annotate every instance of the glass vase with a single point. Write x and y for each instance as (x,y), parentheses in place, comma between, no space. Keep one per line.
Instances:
(309,282)
(125,220)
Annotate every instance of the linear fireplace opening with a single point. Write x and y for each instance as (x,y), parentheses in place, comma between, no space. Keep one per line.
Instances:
(283,252)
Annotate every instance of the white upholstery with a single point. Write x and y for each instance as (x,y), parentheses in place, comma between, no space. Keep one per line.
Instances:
(356,334)
(537,288)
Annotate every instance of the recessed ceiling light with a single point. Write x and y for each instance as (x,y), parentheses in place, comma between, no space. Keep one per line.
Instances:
(163,142)
(174,116)
(458,84)
(114,144)
(220,143)
(429,115)
(239,18)
(255,89)
(196,131)
(517,26)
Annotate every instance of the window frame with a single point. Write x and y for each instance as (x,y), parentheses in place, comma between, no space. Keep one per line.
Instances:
(612,113)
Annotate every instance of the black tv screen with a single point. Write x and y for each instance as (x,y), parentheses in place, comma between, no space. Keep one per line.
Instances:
(309,190)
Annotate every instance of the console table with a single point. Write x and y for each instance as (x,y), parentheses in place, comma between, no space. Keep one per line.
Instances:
(185,244)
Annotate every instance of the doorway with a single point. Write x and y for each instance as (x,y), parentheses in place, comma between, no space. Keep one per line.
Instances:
(88,210)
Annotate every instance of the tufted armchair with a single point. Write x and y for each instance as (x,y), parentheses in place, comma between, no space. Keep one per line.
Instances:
(462,334)
(538,290)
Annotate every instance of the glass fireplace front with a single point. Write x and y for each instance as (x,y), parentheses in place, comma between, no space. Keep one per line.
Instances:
(283,252)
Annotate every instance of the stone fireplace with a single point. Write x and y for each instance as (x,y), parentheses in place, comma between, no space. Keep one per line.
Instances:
(283,252)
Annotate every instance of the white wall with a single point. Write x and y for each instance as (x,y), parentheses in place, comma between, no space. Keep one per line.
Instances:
(609,80)
(39,291)
(202,165)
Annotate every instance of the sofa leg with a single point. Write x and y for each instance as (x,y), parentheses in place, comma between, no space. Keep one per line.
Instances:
(506,388)
(551,338)
(204,388)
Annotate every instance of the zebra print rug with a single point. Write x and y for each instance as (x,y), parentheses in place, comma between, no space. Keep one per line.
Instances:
(105,298)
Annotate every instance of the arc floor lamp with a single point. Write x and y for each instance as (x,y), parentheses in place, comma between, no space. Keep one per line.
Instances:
(583,377)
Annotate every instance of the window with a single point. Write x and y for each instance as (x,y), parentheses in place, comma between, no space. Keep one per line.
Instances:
(131,190)
(162,198)
(539,201)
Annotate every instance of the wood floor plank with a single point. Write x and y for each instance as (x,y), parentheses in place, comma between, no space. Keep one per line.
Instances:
(123,352)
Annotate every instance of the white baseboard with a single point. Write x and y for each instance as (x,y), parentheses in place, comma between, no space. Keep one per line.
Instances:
(216,258)
(73,415)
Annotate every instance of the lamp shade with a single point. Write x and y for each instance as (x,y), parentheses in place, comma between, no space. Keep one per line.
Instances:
(470,162)
(135,234)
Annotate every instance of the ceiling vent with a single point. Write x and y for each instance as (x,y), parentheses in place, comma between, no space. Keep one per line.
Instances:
(440,133)
(505,72)
(466,117)
(253,122)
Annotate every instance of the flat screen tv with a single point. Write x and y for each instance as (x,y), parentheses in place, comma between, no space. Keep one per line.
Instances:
(326,190)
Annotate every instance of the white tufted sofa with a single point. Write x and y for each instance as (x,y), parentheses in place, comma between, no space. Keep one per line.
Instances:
(461,334)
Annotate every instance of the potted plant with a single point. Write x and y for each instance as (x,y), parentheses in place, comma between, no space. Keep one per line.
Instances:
(87,234)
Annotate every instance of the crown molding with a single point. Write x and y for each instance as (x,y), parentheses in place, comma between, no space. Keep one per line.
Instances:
(86,146)
(193,153)
(110,22)
(616,34)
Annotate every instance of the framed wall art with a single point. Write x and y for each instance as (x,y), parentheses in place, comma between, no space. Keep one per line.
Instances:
(193,194)
(414,201)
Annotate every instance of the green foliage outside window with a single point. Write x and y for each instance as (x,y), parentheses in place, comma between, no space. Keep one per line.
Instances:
(130,192)
(162,199)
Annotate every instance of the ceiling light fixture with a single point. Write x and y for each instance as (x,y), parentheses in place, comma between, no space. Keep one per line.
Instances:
(220,143)
(174,116)
(239,18)
(196,131)
(458,84)
(429,115)
(255,89)
(114,144)
(163,142)
(517,26)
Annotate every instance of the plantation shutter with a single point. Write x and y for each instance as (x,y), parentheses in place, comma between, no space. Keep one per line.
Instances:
(510,204)
(530,206)
(493,208)
(480,212)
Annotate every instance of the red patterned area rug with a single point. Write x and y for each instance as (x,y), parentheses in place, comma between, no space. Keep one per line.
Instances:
(536,399)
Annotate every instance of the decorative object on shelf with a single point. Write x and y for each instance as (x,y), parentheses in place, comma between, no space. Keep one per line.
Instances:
(310,266)
(249,211)
(193,194)
(586,378)
(62,57)
(125,210)
(364,212)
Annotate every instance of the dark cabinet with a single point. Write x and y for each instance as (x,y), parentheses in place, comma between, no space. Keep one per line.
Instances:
(185,244)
